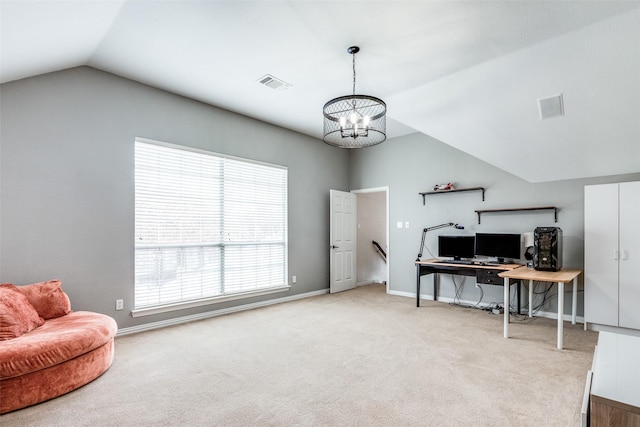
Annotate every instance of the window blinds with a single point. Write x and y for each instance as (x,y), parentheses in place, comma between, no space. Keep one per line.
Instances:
(206,225)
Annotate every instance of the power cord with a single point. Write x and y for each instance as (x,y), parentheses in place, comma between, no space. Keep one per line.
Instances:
(457,295)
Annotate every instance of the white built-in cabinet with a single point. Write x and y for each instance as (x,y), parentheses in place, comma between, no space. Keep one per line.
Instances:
(612,254)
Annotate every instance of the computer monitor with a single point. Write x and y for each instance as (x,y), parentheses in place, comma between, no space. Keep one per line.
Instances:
(456,247)
(502,246)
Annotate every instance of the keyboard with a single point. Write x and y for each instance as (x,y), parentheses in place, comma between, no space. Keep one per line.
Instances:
(456,261)
(467,262)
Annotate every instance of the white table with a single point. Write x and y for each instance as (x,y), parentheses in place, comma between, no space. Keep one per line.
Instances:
(560,277)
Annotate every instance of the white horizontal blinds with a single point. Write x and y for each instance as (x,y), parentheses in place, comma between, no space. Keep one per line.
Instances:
(200,233)
(255,228)
(178,225)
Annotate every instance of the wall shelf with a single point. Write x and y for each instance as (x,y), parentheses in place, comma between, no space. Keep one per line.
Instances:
(536,208)
(455,190)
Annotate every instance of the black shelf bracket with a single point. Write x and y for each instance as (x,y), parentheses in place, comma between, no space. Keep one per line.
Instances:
(536,208)
(455,190)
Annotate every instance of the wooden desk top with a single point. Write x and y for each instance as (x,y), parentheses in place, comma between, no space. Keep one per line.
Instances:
(526,273)
(434,262)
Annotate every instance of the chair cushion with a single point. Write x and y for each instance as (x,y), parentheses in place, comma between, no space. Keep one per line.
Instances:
(57,341)
(17,315)
(47,298)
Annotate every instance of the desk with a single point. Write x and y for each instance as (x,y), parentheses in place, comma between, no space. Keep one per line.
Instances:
(560,277)
(435,266)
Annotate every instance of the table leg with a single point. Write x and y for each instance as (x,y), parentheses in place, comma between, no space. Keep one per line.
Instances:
(530,298)
(574,301)
(560,313)
(436,282)
(418,286)
(506,307)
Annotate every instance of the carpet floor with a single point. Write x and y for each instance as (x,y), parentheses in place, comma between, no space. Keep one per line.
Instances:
(356,358)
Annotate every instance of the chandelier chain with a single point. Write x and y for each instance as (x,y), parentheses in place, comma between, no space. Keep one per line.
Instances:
(354,72)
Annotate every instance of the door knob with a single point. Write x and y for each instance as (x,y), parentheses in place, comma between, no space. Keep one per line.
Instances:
(335,247)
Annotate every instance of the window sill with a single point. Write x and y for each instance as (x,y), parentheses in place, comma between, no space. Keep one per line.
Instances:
(205,301)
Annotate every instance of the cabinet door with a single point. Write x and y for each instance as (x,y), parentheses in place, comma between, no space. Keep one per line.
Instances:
(629,310)
(600,254)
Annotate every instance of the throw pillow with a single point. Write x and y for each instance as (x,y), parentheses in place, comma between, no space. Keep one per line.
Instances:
(47,298)
(17,315)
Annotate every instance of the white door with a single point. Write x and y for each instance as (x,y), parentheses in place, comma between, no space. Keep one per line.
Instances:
(629,315)
(342,244)
(601,254)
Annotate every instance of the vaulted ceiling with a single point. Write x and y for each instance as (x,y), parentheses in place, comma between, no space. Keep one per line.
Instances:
(468,73)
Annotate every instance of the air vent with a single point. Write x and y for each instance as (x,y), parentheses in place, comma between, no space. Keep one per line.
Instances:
(551,107)
(273,82)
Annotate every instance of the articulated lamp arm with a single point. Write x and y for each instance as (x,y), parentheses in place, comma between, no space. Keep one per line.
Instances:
(435,227)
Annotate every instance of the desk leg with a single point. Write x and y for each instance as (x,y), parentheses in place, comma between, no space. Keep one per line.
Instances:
(574,301)
(560,313)
(530,298)
(506,307)
(417,286)
(436,282)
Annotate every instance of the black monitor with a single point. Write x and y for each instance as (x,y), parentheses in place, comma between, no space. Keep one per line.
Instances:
(499,245)
(456,247)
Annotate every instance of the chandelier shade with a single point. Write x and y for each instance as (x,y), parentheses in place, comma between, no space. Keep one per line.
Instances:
(354,121)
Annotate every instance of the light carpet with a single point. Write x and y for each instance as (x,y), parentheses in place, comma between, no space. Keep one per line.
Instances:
(357,358)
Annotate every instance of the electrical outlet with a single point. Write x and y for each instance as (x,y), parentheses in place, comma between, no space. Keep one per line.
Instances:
(294,279)
(119,304)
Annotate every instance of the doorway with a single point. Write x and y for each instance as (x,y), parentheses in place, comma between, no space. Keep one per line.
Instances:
(372,226)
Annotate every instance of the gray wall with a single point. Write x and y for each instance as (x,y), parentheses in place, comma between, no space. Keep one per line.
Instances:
(66,177)
(67,189)
(415,163)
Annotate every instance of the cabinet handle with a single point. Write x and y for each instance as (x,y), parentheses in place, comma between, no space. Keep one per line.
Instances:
(624,254)
(616,254)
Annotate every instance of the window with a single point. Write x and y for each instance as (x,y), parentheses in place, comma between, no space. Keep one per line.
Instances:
(206,225)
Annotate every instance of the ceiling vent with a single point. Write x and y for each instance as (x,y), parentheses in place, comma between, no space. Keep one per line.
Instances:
(273,82)
(551,107)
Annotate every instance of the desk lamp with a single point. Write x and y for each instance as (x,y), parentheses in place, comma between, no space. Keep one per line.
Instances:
(435,227)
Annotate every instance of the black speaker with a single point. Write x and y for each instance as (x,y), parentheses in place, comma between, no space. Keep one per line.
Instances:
(547,243)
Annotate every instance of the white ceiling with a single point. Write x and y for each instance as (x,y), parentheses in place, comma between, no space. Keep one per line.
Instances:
(468,73)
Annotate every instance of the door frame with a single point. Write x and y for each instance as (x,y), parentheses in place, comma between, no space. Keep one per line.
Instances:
(385,190)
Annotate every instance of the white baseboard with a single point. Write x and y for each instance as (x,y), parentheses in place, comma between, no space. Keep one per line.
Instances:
(615,329)
(546,314)
(220,312)
(404,294)
(365,283)
(370,282)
